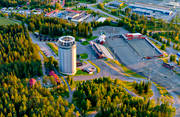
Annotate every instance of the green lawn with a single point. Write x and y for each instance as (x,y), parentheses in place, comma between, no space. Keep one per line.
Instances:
(53,47)
(177,19)
(84,56)
(91,38)
(85,43)
(6,21)
(80,72)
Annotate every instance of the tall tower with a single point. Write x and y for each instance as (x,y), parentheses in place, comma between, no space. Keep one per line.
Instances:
(67,55)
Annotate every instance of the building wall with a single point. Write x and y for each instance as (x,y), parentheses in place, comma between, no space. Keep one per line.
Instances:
(67,60)
(167,12)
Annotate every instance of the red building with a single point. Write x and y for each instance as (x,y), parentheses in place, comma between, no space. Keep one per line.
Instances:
(130,36)
(32,82)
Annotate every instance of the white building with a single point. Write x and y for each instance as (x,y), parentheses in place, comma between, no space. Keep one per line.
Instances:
(67,55)
(102,39)
(101,19)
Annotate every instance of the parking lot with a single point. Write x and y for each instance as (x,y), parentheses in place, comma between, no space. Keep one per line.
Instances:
(109,30)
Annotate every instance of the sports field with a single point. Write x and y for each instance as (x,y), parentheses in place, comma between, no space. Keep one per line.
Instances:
(6,21)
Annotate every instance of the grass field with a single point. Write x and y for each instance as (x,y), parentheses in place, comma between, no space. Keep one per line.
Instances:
(84,56)
(6,21)
(80,73)
(53,47)
(85,43)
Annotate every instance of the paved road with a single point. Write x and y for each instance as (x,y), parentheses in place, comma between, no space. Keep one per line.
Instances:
(42,62)
(100,11)
(70,91)
(107,71)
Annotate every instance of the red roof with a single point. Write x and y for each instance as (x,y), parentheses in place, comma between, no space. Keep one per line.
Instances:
(32,82)
(55,11)
(70,10)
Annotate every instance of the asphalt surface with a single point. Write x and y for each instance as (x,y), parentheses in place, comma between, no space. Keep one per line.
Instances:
(43,46)
(102,12)
(85,49)
(107,71)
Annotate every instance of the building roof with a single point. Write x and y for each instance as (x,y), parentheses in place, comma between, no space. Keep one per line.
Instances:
(101,19)
(134,34)
(54,11)
(70,10)
(32,82)
(102,37)
(66,41)
(150,6)
(116,2)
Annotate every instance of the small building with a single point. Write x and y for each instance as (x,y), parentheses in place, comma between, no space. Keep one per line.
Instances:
(82,40)
(101,19)
(81,17)
(102,39)
(59,14)
(89,69)
(32,82)
(36,34)
(130,36)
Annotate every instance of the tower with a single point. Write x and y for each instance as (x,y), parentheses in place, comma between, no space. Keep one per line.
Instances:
(67,55)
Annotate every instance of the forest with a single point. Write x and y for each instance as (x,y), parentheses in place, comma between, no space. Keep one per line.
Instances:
(142,24)
(142,87)
(75,2)
(110,99)
(58,27)
(167,32)
(18,55)
(19,61)
(39,3)
(32,3)
(18,100)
